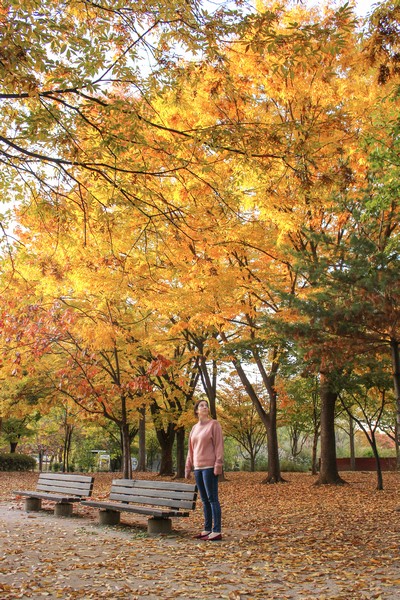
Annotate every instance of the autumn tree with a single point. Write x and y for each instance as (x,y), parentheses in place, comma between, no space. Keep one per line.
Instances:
(176,380)
(290,149)
(365,398)
(61,70)
(213,198)
(173,384)
(300,410)
(81,360)
(240,420)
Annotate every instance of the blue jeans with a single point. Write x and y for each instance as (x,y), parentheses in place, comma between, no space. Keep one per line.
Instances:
(207,484)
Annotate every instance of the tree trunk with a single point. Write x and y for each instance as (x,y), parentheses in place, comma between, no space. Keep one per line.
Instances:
(125,441)
(126,452)
(40,454)
(274,469)
(167,463)
(352,445)
(316,427)
(314,457)
(328,470)
(394,347)
(180,453)
(67,447)
(294,441)
(166,440)
(142,440)
(209,384)
(253,454)
(269,420)
(252,462)
(379,476)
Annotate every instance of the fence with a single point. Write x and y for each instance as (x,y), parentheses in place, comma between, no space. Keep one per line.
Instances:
(367,464)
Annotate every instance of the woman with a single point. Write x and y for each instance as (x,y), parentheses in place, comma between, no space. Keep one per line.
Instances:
(206,457)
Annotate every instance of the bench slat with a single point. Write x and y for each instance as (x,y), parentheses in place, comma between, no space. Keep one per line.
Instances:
(134,509)
(120,486)
(156,485)
(154,501)
(44,496)
(155,493)
(62,483)
(61,489)
(66,477)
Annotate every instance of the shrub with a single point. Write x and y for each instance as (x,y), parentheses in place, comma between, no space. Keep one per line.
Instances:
(301,463)
(297,465)
(17,462)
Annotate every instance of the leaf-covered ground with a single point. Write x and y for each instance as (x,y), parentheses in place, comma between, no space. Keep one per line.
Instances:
(292,540)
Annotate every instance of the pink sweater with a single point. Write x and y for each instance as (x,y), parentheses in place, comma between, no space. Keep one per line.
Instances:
(206,447)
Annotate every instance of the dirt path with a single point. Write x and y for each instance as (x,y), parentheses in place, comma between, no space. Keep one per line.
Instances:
(280,543)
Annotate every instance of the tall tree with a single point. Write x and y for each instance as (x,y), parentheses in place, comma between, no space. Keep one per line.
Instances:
(241,421)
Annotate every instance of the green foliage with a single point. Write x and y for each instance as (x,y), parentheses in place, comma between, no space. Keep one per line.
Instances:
(231,462)
(299,465)
(261,464)
(14,429)
(85,460)
(16,462)
(152,448)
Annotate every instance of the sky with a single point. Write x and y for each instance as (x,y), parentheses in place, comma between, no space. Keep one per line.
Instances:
(364,6)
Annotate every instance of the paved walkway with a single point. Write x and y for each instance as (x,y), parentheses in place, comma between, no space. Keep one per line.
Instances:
(42,556)
(294,541)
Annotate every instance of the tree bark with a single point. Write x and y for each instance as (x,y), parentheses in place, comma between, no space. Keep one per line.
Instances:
(394,347)
(166,436)
(316,427)
(67,447)
(269,420)
(252,462)
(314,458)
(274,469)
(209,384)
(41,454)
(126,451)
(142,440)
(180,453)
(166,440)
(379,476)
(328,473)
(352,445)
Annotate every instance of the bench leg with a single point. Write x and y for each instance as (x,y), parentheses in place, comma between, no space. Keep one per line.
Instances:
(63,509)
(155,525)
(109,517)
(33,504)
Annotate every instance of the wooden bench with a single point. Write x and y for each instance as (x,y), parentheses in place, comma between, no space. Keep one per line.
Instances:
(160,500)
(62,488)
